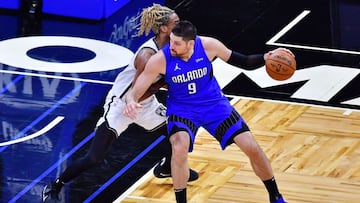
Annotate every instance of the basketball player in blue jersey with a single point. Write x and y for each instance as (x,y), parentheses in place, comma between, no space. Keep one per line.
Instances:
(195,100)
(160,20)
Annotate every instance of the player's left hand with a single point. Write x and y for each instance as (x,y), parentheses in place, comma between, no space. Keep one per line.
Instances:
(278,49)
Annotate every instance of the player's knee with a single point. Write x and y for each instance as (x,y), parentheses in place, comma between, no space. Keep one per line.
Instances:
(254,151)
(180,144)
(248,144)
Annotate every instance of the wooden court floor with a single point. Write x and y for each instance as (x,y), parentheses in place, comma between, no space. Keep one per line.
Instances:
(314,150)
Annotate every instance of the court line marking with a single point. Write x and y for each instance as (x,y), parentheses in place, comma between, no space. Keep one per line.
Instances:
(283,31)
(84,81)
(12,83)
(43,115)
(288,27)
(27,128)
(125,168)
(347,111)
(105,185)
(134,186)
(57,77)
(52,167)
(38,133)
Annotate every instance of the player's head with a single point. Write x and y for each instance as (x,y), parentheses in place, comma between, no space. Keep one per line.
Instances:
(182,38)
(185,29)
(158,19)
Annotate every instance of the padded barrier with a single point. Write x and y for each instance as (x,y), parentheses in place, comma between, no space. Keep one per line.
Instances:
(87,9)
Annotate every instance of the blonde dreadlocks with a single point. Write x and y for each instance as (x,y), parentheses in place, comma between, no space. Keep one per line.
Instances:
(153,17)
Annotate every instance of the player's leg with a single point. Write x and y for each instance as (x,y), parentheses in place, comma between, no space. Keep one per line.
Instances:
(182,136)
(260,164)
(180,142)
(229,127)
(163,168)
(153,117)
(104,137)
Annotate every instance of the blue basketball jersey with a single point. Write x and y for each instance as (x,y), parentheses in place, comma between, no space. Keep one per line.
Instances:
(191,83)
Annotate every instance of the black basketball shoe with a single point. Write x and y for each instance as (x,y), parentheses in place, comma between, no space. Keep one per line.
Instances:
(162,171)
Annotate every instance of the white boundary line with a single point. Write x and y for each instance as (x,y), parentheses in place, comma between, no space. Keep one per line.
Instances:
(56,77)
(38,133)
(134,186)
(288,27)
(282,32)
(347,111)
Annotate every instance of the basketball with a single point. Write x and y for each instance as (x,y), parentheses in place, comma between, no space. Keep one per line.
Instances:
(280,65)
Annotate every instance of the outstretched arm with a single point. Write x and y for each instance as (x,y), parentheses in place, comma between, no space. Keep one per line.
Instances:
(215,48)
(253,61)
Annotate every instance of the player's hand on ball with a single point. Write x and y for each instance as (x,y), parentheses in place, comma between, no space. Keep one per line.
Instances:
(280,64)
(278,49)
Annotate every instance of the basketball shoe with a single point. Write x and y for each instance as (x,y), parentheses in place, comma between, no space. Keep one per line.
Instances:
(51,192)
(163,171)
(279,200)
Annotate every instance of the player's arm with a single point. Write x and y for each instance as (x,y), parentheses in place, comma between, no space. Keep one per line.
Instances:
(140,61)
(214,48)
(154,67)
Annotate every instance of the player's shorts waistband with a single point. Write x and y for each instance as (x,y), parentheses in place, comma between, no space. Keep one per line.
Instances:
(143,102)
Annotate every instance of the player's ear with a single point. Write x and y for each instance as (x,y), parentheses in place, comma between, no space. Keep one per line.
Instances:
(163,28)
(191,42)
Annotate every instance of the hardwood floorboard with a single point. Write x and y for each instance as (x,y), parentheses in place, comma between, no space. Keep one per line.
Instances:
(314,153)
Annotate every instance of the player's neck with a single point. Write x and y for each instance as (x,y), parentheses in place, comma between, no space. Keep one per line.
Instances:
(188,55)
(161,41)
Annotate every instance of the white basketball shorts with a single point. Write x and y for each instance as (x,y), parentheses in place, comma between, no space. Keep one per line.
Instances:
(150,117)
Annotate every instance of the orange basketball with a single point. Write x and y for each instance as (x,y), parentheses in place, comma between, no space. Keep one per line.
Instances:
(280,65)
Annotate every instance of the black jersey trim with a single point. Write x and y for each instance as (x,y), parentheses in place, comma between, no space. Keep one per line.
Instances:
(187,122)
(226,124)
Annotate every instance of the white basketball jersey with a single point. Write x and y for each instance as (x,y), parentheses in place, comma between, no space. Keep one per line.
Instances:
(125,78)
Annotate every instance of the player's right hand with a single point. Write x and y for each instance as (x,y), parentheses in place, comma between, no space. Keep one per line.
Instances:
(131,109)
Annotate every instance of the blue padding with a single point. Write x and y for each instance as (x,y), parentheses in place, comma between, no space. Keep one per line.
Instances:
(111,6)
(10,4)
(93,9)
